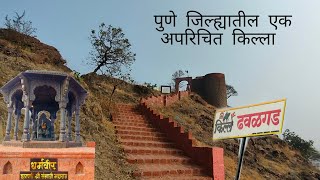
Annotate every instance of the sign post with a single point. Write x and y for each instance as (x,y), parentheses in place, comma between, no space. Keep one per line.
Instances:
(249,121)
(242,149)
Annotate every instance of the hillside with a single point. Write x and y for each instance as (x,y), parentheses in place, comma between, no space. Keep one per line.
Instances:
(31,54)
(266,158)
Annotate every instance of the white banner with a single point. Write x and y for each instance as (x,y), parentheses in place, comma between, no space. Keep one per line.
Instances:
(254,120)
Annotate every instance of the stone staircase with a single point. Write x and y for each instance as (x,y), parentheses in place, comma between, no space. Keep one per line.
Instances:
(150,150)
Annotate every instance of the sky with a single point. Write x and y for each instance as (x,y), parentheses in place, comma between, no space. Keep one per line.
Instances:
(288,69)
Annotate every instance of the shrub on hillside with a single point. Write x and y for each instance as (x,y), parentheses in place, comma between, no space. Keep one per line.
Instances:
(142,90)
(305,147)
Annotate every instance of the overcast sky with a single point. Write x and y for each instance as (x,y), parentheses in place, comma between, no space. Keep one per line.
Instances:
(289,69)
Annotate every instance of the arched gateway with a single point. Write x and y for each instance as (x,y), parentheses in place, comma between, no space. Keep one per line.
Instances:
(180,79)
(42,94)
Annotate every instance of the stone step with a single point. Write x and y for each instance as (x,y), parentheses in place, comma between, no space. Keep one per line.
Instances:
(154,170)
(154,156)
(121,118)
(144,124)
(138,133)
(130,120)
(158,159)
(144,143)
(150,150)
(148,138)
(130,114)
(145,129)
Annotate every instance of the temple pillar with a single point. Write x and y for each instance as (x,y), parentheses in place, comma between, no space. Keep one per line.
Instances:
(62,106)
(35,126)
(26,124)
(52,119)
(16,125)
(77,127)
(8,128)
(31,122)
(69,126)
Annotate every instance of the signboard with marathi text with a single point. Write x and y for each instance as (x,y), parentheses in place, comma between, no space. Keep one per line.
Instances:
(165,89)
(43,168)
(254,120)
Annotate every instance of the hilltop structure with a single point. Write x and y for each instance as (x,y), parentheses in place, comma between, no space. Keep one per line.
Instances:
(211,87)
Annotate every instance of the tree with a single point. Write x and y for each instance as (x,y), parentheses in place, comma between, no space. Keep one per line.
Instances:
(111,55)
(177,74)
(19,24)
(231,91)
(111,51)
(306,148)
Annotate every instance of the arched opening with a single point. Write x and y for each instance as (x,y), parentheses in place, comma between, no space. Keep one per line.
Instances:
(70,108)
(44,106)
(183,84)
(18,105)
(17,96)
(79,168)
(44,126)
(71,101)
(45,98)
(7,169)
